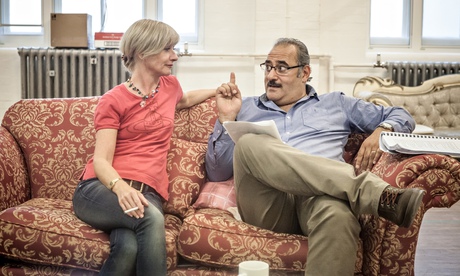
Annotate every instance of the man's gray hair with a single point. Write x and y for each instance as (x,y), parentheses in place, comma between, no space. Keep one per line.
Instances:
(302,51)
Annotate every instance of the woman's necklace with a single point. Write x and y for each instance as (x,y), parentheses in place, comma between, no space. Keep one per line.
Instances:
(144,97)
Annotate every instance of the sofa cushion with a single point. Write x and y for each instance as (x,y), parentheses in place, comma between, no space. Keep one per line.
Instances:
(214,237)
(189,142)
(46,231)
(18,268)
(196,123)
(186,174)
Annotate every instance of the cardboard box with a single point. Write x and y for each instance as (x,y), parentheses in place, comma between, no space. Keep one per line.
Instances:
(71,30)
(107,40)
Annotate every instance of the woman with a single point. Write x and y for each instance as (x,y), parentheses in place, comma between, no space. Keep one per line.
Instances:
(124,184)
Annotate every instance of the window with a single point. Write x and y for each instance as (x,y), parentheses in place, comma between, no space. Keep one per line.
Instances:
(106,15)
(441,23)
(17,20)
(182,15)
(390,22)
(415,24)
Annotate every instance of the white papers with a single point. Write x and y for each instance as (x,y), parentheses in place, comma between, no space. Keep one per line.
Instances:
(237,128)
(395,142)
(422,129)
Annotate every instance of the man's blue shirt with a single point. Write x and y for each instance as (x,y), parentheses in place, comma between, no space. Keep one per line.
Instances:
(316,124)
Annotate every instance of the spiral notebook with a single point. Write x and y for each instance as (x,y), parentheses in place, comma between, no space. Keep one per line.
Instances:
(395,142)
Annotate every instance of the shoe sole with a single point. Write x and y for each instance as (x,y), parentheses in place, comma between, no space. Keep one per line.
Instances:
(412,208)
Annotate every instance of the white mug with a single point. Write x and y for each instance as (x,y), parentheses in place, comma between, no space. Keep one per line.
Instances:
(253,268)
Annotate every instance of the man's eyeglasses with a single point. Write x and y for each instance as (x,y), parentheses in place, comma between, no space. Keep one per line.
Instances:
(279,69)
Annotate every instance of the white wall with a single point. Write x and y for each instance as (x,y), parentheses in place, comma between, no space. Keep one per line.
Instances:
(10,77)
(239,33)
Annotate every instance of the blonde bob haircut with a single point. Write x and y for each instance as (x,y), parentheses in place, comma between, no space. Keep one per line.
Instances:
(146,37)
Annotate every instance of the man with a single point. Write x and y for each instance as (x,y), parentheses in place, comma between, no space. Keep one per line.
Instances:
(302,185)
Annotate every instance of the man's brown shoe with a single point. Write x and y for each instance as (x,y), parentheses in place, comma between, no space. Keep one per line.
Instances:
(400,205)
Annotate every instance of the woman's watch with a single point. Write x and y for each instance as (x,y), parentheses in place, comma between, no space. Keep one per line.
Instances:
(113,182)
(386,126)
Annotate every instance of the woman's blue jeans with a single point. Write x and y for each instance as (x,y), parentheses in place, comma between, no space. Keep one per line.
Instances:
(137,246)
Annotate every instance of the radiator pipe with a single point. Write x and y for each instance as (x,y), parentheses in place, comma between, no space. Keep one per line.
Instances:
(379,62)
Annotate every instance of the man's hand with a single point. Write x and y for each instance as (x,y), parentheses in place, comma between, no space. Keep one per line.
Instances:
(369,152)
(228,98)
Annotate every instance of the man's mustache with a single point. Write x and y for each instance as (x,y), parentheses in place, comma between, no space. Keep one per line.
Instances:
(273,84)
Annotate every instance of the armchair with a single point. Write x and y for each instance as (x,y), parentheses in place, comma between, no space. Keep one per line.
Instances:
(435,104)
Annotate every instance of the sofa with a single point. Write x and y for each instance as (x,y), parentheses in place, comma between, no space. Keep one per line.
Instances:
(435,104)
(45,143)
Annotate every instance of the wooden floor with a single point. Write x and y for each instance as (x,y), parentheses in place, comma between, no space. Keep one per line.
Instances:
(438,249)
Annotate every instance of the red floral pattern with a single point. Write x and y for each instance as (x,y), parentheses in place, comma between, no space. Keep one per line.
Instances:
(46,231)
(57,139)
(46,142)
(14,185)
(213,236)
(186,173)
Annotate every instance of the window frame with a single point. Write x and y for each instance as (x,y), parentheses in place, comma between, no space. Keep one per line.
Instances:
(191,39)
(5,17)
(405,40)
(435,42)
(416,40)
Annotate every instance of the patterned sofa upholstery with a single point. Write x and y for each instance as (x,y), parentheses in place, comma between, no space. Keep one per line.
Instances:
(45,143)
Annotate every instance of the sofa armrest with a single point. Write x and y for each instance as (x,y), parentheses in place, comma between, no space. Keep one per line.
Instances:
(14,183)
(375,98)
(437,174)
(393,248)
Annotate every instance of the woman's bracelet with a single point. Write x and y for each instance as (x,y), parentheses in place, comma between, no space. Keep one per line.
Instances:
(113,182)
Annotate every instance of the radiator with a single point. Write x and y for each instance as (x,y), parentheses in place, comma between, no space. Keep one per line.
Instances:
(414,73)
(63,73)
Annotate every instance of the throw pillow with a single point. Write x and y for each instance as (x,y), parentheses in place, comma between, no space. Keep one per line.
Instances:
(220,195)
